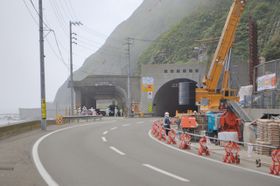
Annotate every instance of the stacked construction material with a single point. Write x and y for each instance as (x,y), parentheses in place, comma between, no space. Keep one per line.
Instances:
(268,134)
(262,136)
(263,150)
(273,133)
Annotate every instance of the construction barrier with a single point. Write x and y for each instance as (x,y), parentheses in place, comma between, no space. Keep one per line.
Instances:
(203,149)
(275,167)
(185,141)
(171,137)
(231,153)
(231,148)
(59,119)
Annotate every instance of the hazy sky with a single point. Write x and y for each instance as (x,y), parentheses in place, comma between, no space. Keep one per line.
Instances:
(19,46)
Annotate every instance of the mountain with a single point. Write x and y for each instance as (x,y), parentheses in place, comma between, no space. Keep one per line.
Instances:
(147,23)
(179,43)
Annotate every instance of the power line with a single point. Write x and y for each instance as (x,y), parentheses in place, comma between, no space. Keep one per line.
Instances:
(104,51)
(30,13)
(64,10)
(73,10)
(56,40)
(59,17)
(57,56)
(90,42)
(44,22)
(69,10)
(58,47)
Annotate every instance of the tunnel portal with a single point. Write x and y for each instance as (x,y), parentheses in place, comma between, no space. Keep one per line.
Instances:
(167,97)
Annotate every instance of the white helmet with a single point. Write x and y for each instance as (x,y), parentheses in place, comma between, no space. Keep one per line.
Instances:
(166,113)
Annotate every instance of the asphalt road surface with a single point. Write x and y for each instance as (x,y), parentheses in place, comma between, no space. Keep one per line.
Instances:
(121,153)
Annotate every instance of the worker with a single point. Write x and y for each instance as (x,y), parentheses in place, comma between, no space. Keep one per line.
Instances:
(166,123)
(178,122)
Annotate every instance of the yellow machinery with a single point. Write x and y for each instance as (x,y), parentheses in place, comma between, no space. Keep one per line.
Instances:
(209,97)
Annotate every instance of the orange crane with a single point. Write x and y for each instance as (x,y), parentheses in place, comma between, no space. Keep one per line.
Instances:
(209,96)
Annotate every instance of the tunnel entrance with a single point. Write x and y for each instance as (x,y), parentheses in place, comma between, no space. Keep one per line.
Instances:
(100,95)
(167,97)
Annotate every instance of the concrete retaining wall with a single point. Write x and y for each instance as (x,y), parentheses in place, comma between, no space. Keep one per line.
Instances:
(12,130)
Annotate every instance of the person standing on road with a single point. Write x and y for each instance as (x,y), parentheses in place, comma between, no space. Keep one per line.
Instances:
(116,111)
(121,112)
(166,123)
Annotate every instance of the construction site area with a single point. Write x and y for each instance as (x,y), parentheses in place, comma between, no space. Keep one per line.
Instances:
(161,113)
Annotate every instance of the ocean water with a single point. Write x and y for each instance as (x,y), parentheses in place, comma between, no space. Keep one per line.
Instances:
(9,119)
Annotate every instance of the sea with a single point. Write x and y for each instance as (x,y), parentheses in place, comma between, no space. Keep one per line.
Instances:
(9,117)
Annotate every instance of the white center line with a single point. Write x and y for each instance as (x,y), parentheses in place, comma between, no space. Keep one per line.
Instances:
(114,128)
(166,173)
(105,132)
(117,151)
(104,139)
(125,125)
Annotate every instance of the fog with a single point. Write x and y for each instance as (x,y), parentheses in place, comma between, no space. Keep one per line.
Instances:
(19,46)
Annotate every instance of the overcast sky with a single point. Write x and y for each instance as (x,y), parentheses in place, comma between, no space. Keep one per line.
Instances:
(19,46)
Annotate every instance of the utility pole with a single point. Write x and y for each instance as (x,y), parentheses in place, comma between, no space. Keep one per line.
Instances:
(129,43)
(42,68)
(71,60)
(253,50)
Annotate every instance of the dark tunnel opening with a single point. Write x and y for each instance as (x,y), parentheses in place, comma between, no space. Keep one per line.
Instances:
(91,95)
(167,97)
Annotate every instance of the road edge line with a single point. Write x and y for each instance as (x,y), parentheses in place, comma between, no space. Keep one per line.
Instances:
(35,155)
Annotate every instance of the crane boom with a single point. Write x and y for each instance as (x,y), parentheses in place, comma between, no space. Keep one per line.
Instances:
(225,44)
(209,97)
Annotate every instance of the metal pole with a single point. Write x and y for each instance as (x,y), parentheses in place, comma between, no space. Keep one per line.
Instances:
(42,69)
(71,70)
(128,78)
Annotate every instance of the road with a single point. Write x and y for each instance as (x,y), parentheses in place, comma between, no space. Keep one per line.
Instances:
(121,153)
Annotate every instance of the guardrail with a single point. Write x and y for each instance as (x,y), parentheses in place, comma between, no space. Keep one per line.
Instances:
(87,118)
(143,114)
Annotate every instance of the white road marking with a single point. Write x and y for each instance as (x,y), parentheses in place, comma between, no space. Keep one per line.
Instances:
(114,128)
(41,169)
(117,151)
(104,139)
(166,173)
(213,160)
(126,125)
(140,122)
(105,132)
(45,175)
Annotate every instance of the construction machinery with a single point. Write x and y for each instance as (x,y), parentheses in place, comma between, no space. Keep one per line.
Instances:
(219,103)
(209,97)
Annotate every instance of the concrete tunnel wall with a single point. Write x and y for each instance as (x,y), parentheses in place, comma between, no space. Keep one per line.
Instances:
(162,74)
(167,98)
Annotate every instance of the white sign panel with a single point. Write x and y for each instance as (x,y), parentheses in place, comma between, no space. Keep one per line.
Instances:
(267,82)
(150,95)
(147,80)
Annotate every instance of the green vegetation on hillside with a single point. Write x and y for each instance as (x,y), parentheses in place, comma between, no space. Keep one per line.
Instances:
(177,45)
